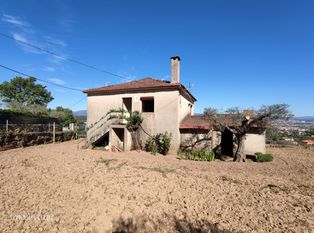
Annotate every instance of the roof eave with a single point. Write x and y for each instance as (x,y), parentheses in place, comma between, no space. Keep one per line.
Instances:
(107,92)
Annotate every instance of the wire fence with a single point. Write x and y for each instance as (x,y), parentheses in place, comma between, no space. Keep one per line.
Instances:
(15,135)
(50,127)
(18,126)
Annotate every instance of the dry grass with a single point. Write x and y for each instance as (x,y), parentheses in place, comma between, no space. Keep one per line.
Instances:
(107,162)
(164,171)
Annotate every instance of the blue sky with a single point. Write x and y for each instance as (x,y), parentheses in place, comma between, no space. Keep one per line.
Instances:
(234,52)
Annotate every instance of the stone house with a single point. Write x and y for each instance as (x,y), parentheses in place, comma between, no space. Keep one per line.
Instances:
(197,132)
(166,106)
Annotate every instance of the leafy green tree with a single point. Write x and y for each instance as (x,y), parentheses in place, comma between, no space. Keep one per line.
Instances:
(23,94)
(64,114)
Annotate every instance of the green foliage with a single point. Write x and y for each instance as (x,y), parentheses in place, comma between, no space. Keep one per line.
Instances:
(159,143)
(134,120)
(151,145)
(273,136)
(65,115)
(16,112)
(260,157)
(23,94)
(199,155)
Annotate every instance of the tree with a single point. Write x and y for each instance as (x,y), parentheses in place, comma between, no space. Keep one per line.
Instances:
(274,136)
(23,94)
(64,114)
(239,121)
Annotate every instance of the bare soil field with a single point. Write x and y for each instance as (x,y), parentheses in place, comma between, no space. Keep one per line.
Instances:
(60,188)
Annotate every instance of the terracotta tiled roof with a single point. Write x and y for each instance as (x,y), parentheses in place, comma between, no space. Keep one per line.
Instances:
(203,122)
(196,122)
(309,142)
(146,84)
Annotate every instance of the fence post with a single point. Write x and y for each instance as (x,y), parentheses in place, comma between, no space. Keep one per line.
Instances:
(49,127)
(7,125)
(54,132)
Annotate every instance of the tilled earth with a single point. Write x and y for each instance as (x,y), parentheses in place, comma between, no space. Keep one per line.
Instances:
(60,188)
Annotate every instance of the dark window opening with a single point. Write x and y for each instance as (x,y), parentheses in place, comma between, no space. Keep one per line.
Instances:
(190,109)
(147,105)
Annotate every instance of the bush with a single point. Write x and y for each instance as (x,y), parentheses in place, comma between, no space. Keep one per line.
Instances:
(159,143)
(135,119)
(260,157)
(151,145)
(199,155)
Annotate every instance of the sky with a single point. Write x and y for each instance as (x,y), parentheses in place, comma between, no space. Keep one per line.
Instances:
(244,53)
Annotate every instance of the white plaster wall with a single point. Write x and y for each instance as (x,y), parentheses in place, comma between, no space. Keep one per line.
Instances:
(165,116)
(254,143)
(184,108)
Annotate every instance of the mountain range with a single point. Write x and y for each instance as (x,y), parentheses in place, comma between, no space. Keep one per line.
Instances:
(304,118)
(80,113)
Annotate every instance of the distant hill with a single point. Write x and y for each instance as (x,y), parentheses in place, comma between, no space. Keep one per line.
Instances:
(80,113)
(304,118)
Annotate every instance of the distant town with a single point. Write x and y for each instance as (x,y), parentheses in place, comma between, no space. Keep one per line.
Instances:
(296,131)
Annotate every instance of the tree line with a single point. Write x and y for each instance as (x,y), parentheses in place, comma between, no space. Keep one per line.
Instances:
(24,95)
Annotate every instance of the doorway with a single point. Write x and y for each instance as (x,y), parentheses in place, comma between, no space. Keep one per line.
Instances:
(127,105)
(227,143)
(117,138)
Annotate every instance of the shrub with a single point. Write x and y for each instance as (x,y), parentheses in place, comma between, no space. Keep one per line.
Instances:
(135,119)
(151,145)
(199,155)
(260,157)
(159,143)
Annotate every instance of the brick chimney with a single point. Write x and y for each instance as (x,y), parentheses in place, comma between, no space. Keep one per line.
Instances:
(175,69)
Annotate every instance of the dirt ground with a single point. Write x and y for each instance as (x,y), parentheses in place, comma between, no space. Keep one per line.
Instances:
(60,188)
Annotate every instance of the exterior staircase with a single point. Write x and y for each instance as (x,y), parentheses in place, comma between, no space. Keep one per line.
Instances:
(102,126)
(99,129)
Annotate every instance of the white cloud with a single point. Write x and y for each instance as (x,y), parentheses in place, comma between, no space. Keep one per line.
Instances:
(49,69)
(16,21)
(57,81)
(25,34)
(22,40)
(57,59)
(19,37)
(55,41)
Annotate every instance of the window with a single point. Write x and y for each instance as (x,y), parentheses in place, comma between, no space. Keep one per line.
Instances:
(147,104)
(190,108)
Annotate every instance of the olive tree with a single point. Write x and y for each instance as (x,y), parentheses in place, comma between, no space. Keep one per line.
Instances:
(239,121)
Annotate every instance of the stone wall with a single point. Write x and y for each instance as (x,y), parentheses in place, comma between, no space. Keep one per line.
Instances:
(199,139)
(10,140)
